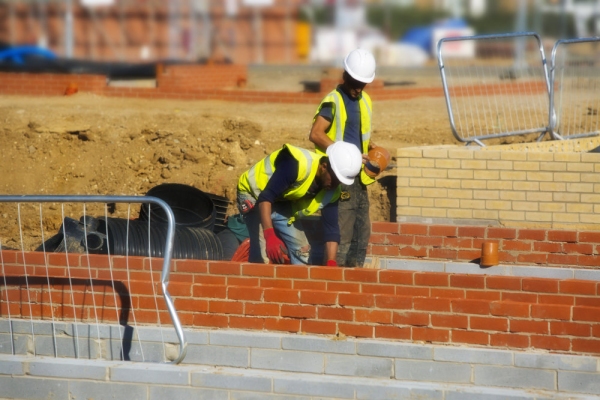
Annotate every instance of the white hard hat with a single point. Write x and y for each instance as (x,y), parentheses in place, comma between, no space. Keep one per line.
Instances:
(345,160)
(360,64)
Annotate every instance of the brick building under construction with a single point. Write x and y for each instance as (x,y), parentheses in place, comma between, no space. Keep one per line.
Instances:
(151,30)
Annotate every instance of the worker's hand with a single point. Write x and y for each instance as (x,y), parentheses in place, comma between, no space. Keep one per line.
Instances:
(275,247)
(332,263)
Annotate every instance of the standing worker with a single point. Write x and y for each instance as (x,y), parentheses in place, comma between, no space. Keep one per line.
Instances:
(344,115)
(286,185)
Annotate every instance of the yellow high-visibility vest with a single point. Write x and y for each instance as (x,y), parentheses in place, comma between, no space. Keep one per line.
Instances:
(336,131)
(256,178)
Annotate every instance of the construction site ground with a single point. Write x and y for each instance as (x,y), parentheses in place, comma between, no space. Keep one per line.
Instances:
(85,144)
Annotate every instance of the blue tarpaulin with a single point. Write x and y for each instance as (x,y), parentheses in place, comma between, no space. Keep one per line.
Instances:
(422,36)
(19,53)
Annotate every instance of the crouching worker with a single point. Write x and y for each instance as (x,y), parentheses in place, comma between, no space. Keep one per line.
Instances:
(287,185)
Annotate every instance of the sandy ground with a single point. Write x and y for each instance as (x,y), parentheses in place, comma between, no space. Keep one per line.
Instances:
(86,144)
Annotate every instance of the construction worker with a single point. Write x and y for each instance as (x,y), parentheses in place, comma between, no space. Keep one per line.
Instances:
(345,115)
(288,184)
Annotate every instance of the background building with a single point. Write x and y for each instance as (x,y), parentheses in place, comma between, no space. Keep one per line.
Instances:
(269,31)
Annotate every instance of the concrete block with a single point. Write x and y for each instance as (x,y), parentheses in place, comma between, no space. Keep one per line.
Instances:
(281,360)
(380,264)
(473,356)
(68,368)
(489,394)
(231,381)
(165,334)
(133,350)
(196,337)
(71,347)
(579,382)
(556,362)
(543,272)
(397,390)
(472,268)
(411,265)
(372,367)
(586,274)
(245,339)
(12,365)
(218,355)
(17,344)
(27,388)
(5,326)
(526,378)
(395,350)
(163,392)
(264,396)
(159,374)
(318,345)
(318,387)
(23,326)
(433,371)
(84,390)
(101,331)
(118,332)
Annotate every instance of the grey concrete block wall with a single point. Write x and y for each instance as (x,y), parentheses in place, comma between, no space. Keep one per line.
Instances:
(231,383)
(265,365)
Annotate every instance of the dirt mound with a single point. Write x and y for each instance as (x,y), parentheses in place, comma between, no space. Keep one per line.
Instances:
(85,144)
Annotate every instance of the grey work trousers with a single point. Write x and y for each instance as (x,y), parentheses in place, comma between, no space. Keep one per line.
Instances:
(355,225)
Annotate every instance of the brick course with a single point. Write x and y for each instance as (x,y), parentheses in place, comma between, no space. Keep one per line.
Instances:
(533,246)
(183,82)
(547,185)
(492,311)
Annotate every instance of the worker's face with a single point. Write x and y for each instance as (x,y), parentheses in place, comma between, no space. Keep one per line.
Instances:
(353,87)
(326,178)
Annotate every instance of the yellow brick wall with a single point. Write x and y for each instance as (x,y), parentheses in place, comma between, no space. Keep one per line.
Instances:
(529,185)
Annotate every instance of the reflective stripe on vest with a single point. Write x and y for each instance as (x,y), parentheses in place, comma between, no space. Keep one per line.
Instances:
(366,134)
(336,130)
(339,131)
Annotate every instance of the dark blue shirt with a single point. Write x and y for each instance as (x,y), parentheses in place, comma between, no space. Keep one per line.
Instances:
(286,172)
(352,128)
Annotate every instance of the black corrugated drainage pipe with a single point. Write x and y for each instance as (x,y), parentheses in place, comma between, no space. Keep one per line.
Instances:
(191,207)
(138,238)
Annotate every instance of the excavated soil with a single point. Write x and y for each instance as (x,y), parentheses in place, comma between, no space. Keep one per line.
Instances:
(90,145)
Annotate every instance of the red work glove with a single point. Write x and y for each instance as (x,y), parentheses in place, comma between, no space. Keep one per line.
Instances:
(331,263)
(275,247)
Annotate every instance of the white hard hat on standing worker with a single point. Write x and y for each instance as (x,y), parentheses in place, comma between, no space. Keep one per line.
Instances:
(360,64)
(345,160)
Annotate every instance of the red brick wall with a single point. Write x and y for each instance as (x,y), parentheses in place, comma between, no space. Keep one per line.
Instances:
(185,82)
(15,83)
(489,311)
(463,243)
(191,82)
(185,78)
